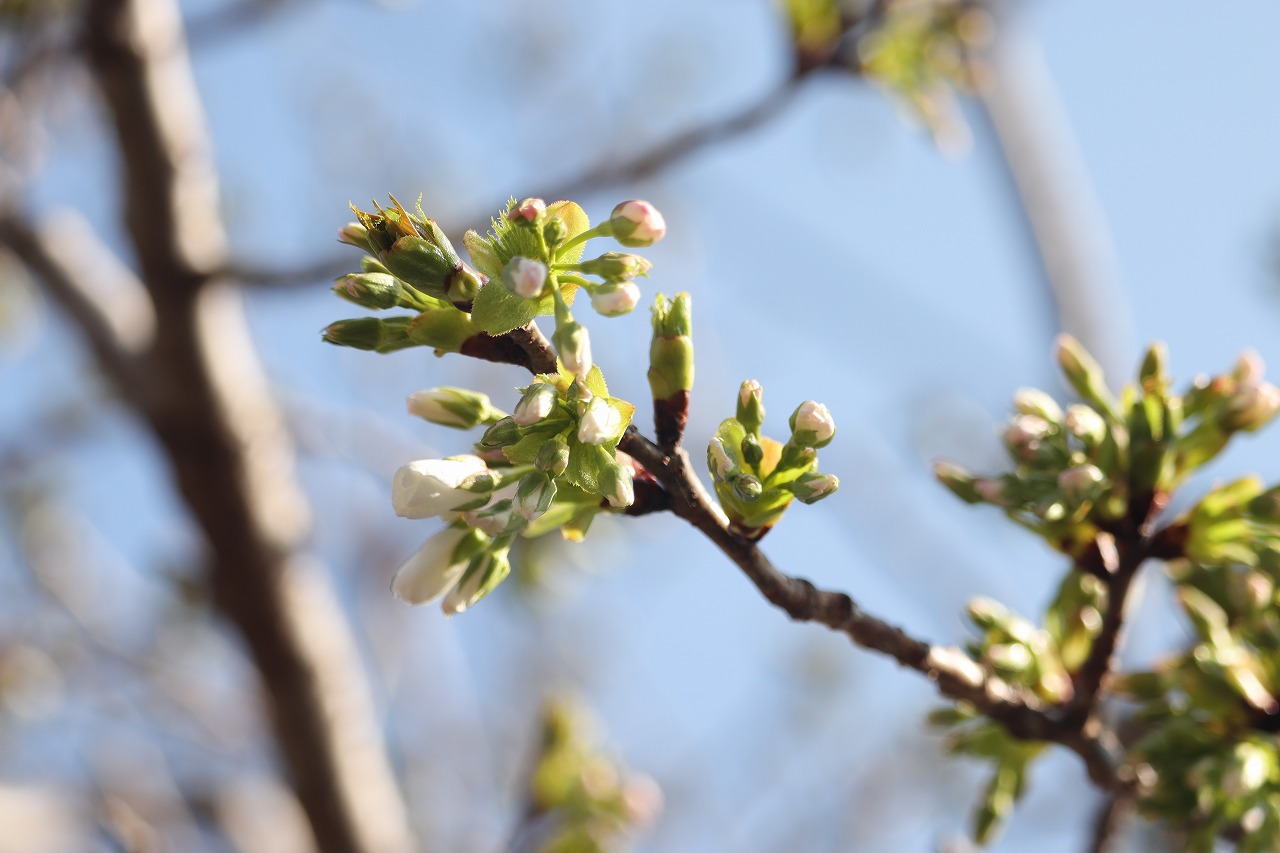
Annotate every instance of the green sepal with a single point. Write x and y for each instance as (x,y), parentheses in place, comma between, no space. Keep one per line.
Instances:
(533,437)
(419,263)
(371,333)
(443,328)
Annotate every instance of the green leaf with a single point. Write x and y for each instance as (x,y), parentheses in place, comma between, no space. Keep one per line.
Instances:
(576,218)
(586,464)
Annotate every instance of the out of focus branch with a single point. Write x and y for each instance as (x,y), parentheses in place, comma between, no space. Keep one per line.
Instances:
(104,297)
(1063,217)
(207,403)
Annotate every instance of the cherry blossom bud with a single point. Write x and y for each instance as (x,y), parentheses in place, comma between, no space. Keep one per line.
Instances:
(600,422)
(722,465)
(812,425)
(553,457)
(453,407)
(573,344)
(430,487)
(485,573)
(539,400)
(616,266)
(637,223)
(502,434)
(370,290)
(617,485)
(1025,434)
(529,210)
(534,495)
(615,299)
(1033,401)
(751,406)
(525,277)
(433,569)
(1086,424)
(812,487)
(354,234)
(748,487)
(1081,483)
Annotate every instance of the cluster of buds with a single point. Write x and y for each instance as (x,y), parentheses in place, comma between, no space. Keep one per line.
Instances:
(1077,471)
(1036,660)
(756,477)
(568,431)
(593,800)
(414,250)
(533,249)
(1209,751)
(536,250)
(468,558)
(551,464)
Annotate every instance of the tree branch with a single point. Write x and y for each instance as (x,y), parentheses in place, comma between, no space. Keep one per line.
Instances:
(210,410)
(101,294)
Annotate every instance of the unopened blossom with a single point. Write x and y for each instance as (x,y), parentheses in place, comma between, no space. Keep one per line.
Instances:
(599,423)
(538,402)
(637,223)
(432,570)
(812,425)
(616,299)
(525,277)
(530,210)
(454,407)
(430,487)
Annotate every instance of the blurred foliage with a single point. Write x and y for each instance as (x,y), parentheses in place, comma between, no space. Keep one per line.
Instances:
(582,799)
(1092,480)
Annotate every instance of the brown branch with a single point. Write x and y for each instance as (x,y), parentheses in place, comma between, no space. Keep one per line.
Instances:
(103,296)
(208,406)
(956,675)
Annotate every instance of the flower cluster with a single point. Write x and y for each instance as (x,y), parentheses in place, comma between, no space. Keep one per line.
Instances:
(756,478)
(1078,470)
(1093,479)
(553,462)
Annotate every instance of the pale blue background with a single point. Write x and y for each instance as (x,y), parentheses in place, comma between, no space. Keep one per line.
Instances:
(832,254)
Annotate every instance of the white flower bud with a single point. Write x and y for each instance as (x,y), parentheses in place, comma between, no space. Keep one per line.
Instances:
(1033,401)
(525,277)
(453,407)
(615,299)
(430,487)
(600,422)
(719,461)
(538,402)
(812,425)
(432,570)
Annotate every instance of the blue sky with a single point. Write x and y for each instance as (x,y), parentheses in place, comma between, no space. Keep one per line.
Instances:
(832,254)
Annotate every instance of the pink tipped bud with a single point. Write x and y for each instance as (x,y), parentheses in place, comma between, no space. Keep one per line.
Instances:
(637,223)
(525,277)
(529,210)
(613,300)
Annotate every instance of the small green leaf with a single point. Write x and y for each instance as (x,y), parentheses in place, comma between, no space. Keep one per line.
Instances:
(586,464)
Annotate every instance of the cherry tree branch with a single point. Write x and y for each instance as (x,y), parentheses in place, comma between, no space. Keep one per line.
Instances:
(206,400)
